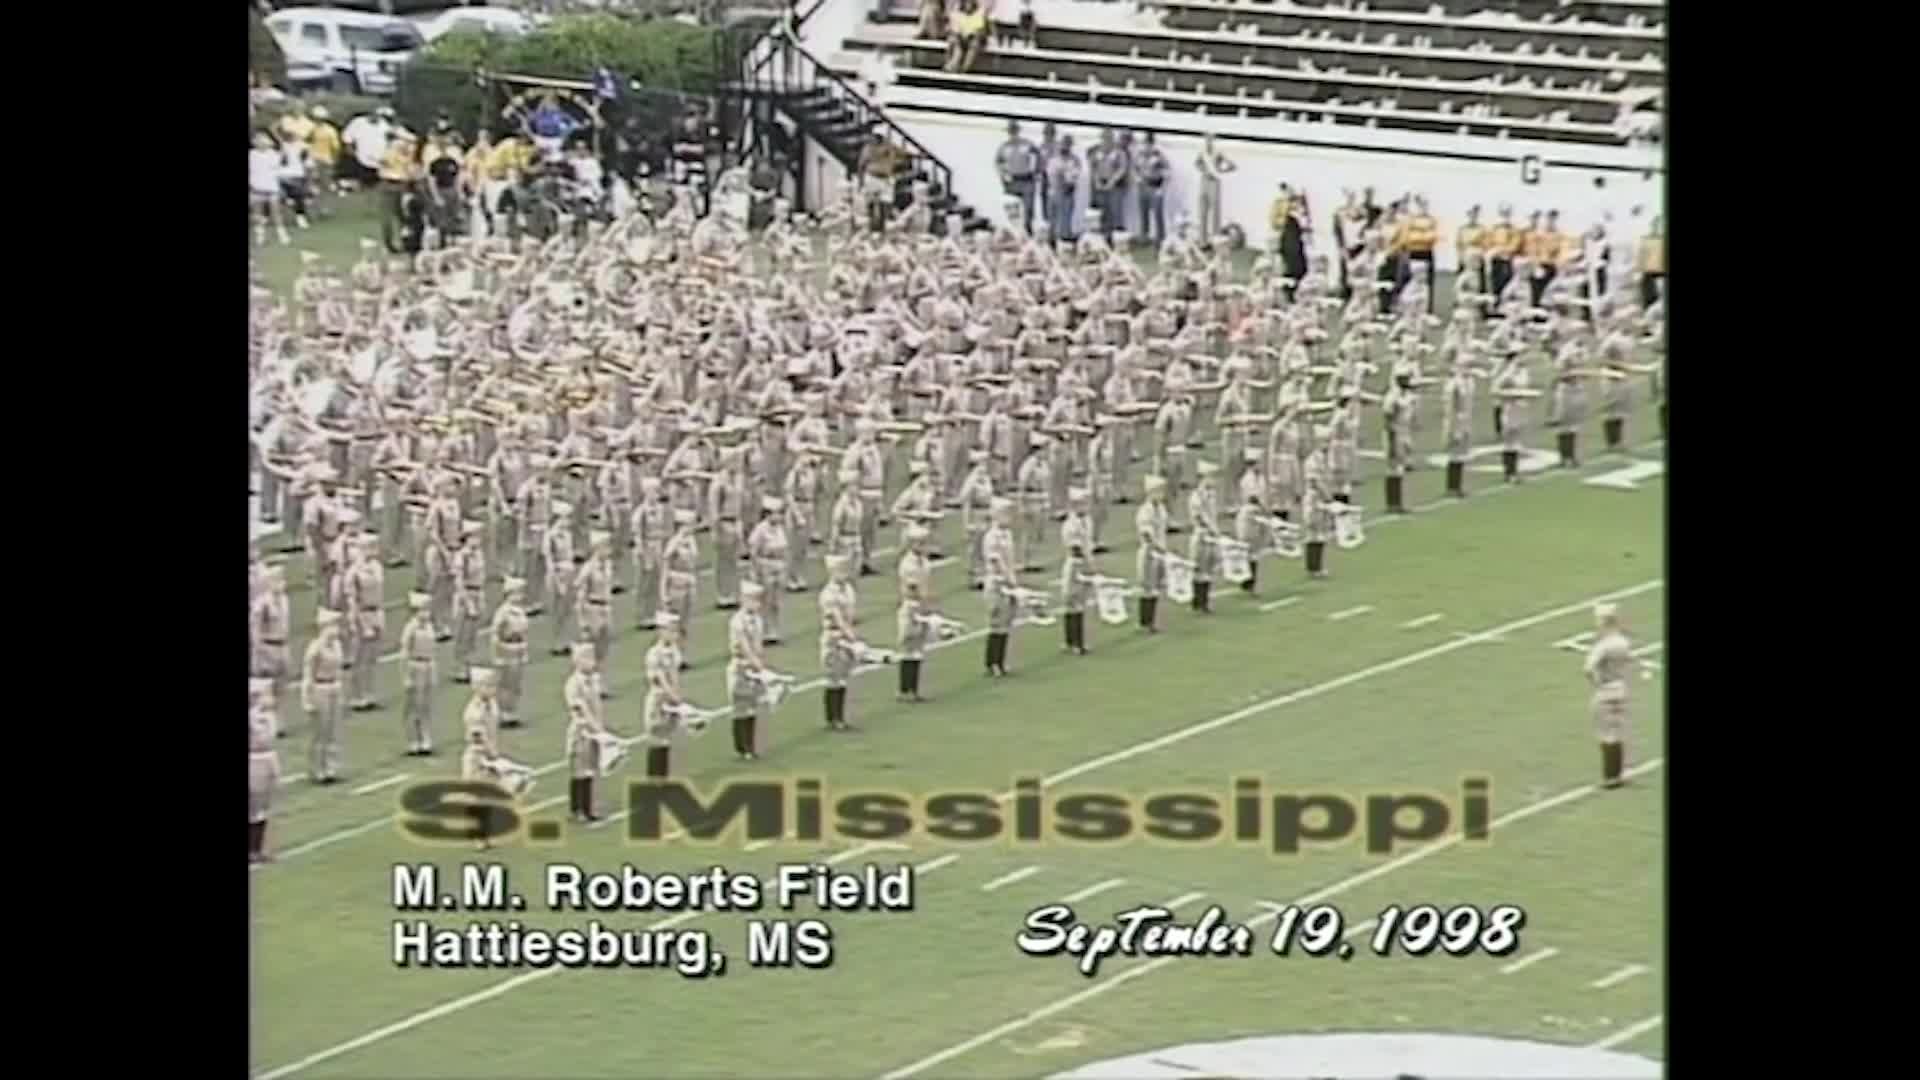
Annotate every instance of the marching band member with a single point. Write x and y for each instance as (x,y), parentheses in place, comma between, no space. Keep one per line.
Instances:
(584,686)
(1609,660)
(726,502)
(443,528)
(510,629)
(837,603)
(997,551)
(913,626)
(660,719)
(770,552)
(263,764)
(583,755)
(477,766)
(679,580)
(746,661)
(1076,580)
(1397,409)
(614,485)
(1616,391)
(652,527)
(976,500)
(1316,515)
(469,596)
(536,513)
(1569,406)
(1251,524)
(483,712)
(593,594)
(916,505)
(1203,549)
(1150,526)
(1457,425)
(1033,481)
(845,520)
(558,556)
(869,480)
(320,668)
(270,622)
(1512,390)
(416,649)
(365,600)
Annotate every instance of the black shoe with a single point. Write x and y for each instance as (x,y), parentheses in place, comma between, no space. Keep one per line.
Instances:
(510,723)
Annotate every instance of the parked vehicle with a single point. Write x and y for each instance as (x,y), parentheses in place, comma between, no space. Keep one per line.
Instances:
(489,19)
(357,52)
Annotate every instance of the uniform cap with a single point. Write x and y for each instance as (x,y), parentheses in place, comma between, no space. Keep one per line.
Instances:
(838,563)
(1000,504)
(483,676)
(326,617)
(665,620)
(513,585)
(472,528)
(685,517)
(582,650)
(257,687)
(917,533)
(1078,494)
(418,601)
(916,468)
(1155,483)
(562,509)
(1604,612)
(599,538)
(1205,468)
(774,506)
(751,589)
(976,457)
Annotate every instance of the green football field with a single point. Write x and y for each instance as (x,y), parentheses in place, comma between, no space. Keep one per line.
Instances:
(1444,648)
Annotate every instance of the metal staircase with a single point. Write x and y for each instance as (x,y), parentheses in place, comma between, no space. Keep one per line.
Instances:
(778,76)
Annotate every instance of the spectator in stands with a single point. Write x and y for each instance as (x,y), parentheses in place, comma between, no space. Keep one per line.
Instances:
(1063,188)
(1049,146)
(1470,248)
(1287,238)
(1503,243)
(1419,232)
(366,137)
(1350,225)
(933,18)
(1150,171)
(323,143)
(1029,26)
(1652,262)
(550,125)
(1211,164)
(879,166)
(398,170)
(296,176)
(1019,163)
(1108,163)
(1124,220)
(1541,241)
(967,36)
(263,188)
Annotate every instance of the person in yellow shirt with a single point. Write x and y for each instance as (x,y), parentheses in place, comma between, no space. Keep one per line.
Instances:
(1651,261)
(294,127)
(323,148)
(1419,233)
(1470,248)
(398,171)
(1503,243)
(473,175)
(509,160)
(1540,243)
(967,36)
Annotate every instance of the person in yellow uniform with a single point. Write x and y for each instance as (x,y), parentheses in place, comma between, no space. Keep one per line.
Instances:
(1470,248)
(1503,243)
(398,170)
(294,127)
(1568,246)
(1420,232)
(1651,261)
(1393,232)
(323,149)
(512,155)
(473,174)
(1540,243)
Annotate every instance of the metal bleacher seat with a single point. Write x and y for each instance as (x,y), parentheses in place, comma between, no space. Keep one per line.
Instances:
(1432,64)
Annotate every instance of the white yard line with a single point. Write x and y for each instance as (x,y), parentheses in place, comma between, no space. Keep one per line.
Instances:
(1649,650)
(1121,978)
(1005,880)
(1276,605)
(934,864)
(1529,960)
(1183,900)
(1618,977)
(1424,620)
(1347,613)
(1628,1033)
(1093,890)
(367,789)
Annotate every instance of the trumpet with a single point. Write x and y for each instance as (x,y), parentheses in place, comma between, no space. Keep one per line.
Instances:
(941,626)
(774,686)
(1033,605)
(516,778)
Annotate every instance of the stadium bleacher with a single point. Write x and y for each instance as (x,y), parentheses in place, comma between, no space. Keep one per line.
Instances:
(1548,70)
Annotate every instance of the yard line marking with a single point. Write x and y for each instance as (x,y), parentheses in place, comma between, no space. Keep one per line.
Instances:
(1529,960)
(1356,931)
(935,864)
(1348,613)
(864,849)
(1005,880)
(1121,978)
(1415,624)
(1276,605)
(758,844)
(1618,977)
(1649,650)
(1183,900)
(1093,890)
(1628,1033)
(365,789)
(1145,747)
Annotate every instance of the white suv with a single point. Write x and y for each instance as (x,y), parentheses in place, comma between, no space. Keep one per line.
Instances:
(357,52)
